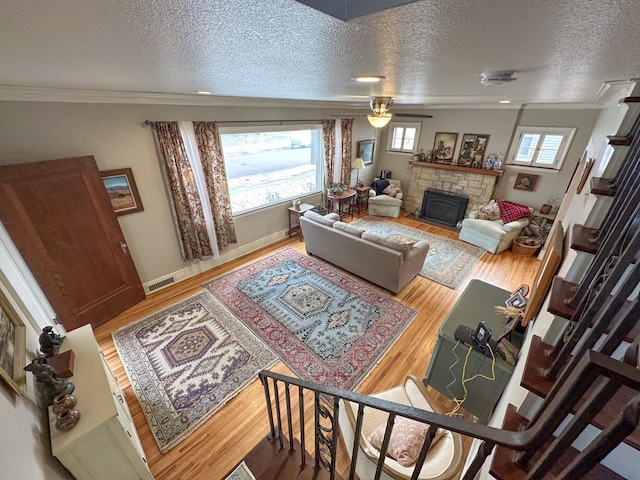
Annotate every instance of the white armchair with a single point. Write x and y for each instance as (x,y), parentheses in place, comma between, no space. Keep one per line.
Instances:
(492,235)
(385,205)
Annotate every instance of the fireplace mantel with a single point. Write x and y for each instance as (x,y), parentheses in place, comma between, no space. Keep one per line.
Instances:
(458,168)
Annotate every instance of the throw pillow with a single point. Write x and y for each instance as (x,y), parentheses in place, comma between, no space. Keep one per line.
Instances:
(491,211)
(350,229)
(327,220)
(396,242)
(391,190)
(510,211)
(406,439)
(379,185)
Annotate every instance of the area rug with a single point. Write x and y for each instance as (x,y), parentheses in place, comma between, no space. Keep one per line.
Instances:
(241,472)
(186,361)
(324,325)
(448,261)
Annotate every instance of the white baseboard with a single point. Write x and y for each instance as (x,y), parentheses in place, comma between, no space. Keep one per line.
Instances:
(203,265)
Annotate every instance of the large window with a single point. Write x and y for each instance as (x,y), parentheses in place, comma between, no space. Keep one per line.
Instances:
(267,165)
(540,147)
(403,137)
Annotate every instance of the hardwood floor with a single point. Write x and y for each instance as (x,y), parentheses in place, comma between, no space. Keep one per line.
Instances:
(216,447)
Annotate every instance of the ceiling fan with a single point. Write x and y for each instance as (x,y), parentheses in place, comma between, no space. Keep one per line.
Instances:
(381,115)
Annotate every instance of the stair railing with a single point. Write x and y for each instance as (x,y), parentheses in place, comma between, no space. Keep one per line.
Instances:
(605,374)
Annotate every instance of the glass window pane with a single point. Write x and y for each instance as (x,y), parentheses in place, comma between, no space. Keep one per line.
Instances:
(409,139)
(270,167)
(549,149)
(398,133)
(527,148)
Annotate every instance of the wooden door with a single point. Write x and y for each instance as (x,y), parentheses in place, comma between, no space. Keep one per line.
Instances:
(59,216)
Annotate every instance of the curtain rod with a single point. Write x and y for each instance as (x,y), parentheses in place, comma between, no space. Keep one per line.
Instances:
(281,122)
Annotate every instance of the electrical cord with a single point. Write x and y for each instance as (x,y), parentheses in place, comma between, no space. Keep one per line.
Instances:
(459,402)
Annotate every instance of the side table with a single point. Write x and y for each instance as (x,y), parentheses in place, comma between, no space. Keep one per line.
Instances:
(362,198)
(294,227)
(347,198)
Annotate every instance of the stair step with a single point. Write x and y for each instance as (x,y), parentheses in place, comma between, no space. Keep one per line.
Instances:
(539,361)
(602,186)
(581,239)
(561,292)
(620,141)
(503,466)
(267,462)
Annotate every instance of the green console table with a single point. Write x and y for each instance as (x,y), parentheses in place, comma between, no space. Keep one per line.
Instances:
(476,304)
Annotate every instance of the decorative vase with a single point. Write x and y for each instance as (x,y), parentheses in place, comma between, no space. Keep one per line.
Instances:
(296,203)
(63,403)
(67,420)
(497,165)
(489,163)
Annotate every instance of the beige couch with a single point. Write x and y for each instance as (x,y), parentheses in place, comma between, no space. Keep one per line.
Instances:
(390,268)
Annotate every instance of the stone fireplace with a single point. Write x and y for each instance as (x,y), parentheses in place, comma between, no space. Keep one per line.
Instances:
(475,183)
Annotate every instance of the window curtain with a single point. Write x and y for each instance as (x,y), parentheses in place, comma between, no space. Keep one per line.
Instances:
(329,137)
(188,212)
(209,147)
(346,125)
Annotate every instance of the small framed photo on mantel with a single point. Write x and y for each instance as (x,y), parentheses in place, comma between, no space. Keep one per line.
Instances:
(122,191)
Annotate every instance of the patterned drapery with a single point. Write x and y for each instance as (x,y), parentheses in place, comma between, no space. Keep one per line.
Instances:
(329,136)
(189,216)
(347,135)
(209,147)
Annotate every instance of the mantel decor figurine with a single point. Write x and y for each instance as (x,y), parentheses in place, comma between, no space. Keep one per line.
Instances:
(52,386)
(50,341)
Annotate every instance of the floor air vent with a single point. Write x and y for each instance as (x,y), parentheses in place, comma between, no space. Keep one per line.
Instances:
(161,283)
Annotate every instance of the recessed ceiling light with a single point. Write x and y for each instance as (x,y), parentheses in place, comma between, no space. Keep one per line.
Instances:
(204,92)
(369,78)
(505,101)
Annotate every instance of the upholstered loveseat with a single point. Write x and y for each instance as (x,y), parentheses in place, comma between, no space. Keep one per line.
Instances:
(385,261)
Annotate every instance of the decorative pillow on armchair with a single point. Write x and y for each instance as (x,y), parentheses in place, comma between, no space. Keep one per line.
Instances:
(391,190)
(491,211)
(406,440)
(510,211)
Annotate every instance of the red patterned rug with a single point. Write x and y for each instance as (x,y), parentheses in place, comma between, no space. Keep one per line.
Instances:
(324,325)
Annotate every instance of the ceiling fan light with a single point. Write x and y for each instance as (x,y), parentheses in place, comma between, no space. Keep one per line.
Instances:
(369,78)
(379,120)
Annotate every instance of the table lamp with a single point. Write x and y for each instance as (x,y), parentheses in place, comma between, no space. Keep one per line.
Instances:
(357,165)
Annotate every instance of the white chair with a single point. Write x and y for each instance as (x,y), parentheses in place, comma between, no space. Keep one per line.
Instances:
(492,235)
(385,205)
(443,460)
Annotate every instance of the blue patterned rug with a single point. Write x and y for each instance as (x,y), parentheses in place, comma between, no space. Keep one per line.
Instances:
(186,361)
(448,261)
(326,326)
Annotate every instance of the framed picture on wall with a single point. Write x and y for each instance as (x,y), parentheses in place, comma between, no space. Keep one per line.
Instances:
(122,191)
(443,147)
(365,151)
(473,149)
(12,348)
(526,181)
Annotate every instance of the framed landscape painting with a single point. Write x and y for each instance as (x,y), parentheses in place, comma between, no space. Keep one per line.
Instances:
(12,348)
(365,151)
(122,191)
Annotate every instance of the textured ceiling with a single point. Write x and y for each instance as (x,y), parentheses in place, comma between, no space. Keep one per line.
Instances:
(431,52)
